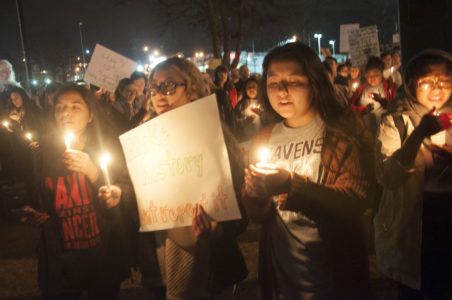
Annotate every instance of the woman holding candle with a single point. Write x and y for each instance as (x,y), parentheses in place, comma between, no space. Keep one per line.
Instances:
(83,223)
(413,223)
(248,112)
(202,261)
(311,193)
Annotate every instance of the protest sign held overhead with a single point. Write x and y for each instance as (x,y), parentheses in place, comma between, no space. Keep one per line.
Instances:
(107,68)
(364,43)
(345,29)
(177,160)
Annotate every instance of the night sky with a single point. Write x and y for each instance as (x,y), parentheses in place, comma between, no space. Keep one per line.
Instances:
(51,26)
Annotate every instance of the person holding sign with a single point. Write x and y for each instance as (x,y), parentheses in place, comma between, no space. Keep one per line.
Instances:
(413,223)
(83,222)
(202,261)
(311,190)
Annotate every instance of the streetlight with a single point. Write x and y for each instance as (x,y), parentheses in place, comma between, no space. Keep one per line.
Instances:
(318,36)
(80,24)
(145,48)
(332,44)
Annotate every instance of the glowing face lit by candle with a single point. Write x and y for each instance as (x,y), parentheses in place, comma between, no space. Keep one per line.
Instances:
(68,140)
(28,136)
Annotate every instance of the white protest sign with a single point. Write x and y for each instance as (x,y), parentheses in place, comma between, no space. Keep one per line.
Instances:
(107,67)
(177,160)
(345,29)
(364,43)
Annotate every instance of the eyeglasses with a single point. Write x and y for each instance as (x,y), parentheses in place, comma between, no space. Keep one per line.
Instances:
(428,84)
(165,88)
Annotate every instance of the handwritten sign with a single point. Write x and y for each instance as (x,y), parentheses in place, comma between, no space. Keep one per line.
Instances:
(107,67)
(364,43)
(177,160)
(345,29)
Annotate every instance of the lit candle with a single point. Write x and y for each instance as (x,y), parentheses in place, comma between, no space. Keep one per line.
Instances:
(5,124)
(68,139)
(355,85)
(28,136)
(392,69)
(104,160)
(263,165)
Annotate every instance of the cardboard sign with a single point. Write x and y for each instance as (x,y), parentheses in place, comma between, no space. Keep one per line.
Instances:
(364,43)
(107,68)
(177,160)
(345,29)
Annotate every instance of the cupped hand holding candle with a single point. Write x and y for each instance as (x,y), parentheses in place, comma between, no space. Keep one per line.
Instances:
(78,161)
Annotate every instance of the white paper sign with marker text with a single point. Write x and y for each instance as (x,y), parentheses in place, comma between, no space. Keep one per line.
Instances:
(177,160)
(364,43)
(107,68)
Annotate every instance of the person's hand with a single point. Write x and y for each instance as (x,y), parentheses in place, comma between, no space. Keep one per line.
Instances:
(369,107)
(377,97)
(14,116)
(431,124)
(33,217)
(202,226)
(81,162)
(275,182)
(109,197)
(250,118)
(264,183)
(33,145)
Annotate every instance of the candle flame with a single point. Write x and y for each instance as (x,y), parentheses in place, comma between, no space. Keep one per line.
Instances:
(264,155)
(355,85)
(5,124)
(68,139)
(392,69)
(104,160)
(28,136)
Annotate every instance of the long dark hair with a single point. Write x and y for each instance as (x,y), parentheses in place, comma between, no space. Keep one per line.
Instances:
(339,121)
(101,127)
(26,100)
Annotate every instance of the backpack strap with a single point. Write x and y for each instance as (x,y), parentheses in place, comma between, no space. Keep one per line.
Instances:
(401,127)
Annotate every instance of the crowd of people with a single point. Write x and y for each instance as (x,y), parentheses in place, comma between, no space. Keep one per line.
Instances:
(342,140)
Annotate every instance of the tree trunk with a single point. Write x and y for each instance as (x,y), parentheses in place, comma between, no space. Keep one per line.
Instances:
(224,11)
(213,26)
(241,34)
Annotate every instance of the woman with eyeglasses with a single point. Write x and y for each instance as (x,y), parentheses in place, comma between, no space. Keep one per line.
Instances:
(310,189)
(413,225)
(202,261)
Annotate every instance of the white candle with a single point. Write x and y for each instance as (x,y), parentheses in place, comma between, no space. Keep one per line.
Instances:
(68,139)
(263,165)
(104,160)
